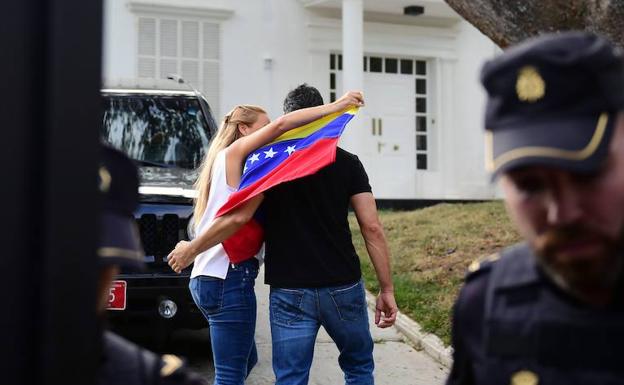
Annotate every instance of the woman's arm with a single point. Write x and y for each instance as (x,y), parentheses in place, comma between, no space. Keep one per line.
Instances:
(221,229)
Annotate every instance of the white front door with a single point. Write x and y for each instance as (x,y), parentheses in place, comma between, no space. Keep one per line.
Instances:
(394,145)
(390,143)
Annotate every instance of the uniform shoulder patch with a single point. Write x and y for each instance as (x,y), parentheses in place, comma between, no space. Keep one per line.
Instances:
(171,364)
(481,264)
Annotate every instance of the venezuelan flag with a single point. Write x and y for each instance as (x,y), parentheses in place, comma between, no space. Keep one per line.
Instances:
(295,154)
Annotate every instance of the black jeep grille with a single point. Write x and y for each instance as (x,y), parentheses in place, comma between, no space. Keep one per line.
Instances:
(159,236)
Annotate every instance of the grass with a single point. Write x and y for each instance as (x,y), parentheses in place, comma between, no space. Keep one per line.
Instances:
(431,250)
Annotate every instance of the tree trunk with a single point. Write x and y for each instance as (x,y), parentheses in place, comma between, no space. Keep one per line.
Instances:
(509,21)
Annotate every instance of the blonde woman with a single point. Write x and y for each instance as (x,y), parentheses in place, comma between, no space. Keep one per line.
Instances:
(224,292)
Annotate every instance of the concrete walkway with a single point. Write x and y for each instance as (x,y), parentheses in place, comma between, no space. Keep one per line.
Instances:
(396,363)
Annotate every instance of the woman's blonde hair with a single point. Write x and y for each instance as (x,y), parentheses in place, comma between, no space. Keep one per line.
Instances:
(226,135)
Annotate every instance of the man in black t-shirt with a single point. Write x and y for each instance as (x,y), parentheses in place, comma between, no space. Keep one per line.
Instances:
(311,264)
(313,269)
(308,242)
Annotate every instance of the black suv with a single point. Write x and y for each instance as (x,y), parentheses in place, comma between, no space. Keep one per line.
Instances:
(165,127)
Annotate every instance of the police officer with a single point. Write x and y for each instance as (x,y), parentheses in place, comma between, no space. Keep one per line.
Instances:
(551,310)
(122,361)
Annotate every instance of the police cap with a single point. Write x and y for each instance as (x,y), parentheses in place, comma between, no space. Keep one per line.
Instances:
(119,241)
(552,100)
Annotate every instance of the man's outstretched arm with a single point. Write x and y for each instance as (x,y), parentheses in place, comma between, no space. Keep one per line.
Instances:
(221,229)
(366,212)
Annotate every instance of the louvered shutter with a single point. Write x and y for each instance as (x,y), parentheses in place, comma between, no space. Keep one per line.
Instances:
(147,47)
(190,39)
(168,47)
(189,48)
(210,71)
(211,41)
(190,72)
(211,85)
(190,52)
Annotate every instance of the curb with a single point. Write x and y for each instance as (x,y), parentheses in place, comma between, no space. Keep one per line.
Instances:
(413,332)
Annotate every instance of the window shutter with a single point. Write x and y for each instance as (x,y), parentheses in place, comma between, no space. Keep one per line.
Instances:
(168,67)
(147,68)
(210,88)
(189,48)
(210,70)
(168,48)
(211,41)
(147,36)
(190,72)
(147,47)
(169,38)
(190,52)
(190,39)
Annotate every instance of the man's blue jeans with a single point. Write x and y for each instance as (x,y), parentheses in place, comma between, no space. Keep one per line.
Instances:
(230,307)
(297,314)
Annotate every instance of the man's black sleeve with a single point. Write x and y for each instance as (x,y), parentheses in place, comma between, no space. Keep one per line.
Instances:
(358,179)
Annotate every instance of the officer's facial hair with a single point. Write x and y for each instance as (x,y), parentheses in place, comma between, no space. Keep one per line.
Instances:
(583,273)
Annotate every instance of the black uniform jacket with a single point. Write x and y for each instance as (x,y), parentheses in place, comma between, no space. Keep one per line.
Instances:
(123,362)
(512,325)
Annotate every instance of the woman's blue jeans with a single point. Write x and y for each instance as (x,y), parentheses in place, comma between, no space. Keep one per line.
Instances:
(297,314)
(230,307)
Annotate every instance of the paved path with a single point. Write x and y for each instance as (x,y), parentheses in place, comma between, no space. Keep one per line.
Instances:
(396,363)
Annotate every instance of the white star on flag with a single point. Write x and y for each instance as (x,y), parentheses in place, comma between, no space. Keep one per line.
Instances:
(245,168)
(290,150)
(254,158)
(270,153)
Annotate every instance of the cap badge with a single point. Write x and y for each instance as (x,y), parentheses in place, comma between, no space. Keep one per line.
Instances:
(105,179)
(172,363)
(530,86)
(524,377)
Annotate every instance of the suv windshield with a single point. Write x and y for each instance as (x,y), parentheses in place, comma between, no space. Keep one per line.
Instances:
(156,130)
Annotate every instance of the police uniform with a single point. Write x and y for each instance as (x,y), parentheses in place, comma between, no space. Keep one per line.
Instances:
(512,325)
(551,101)
(123,362)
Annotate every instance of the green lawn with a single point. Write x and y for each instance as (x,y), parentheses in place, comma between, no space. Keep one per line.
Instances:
(431,249)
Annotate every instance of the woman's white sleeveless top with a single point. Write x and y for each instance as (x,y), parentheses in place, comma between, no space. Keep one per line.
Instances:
(214,262)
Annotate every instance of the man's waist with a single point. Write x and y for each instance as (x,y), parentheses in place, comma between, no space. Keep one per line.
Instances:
(293,282)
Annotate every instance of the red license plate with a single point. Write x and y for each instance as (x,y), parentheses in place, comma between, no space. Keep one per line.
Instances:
(117,296)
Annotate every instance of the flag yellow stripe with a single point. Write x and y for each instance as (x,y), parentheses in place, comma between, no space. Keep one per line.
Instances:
(312,127)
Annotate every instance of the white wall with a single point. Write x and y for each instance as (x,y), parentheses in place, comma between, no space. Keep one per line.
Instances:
(467,129)
(120,41)
(259,30)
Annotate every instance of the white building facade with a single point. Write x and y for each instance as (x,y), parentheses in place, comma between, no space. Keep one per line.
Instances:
(420,135)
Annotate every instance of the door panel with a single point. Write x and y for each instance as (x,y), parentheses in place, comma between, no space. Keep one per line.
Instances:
(390,137)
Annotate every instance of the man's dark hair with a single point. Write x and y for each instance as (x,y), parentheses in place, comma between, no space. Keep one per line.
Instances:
(303,96)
